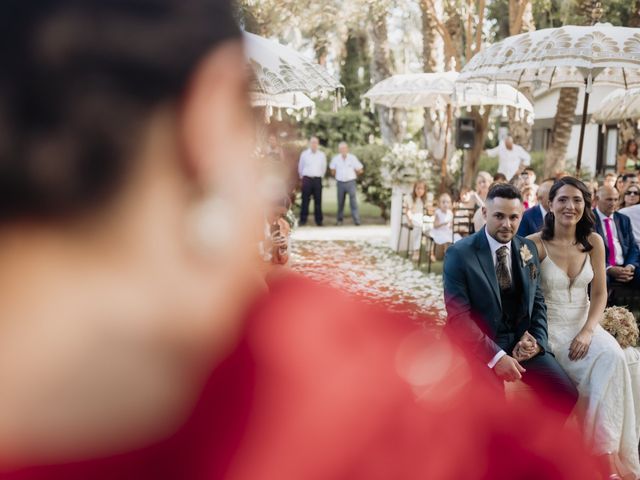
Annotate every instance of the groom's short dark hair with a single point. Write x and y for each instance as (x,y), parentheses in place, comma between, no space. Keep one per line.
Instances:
(503,190)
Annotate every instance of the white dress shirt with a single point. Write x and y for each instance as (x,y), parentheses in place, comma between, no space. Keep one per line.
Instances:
(494,245)
(345,167)
(509,160)
(616,241)
(312,164)
(633,212)
(543,211)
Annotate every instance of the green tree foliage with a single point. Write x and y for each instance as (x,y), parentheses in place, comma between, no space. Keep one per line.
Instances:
(371,180)
(355,70)
(348,124)
(556,13)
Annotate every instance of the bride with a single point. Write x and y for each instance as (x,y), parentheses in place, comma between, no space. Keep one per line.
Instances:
(572,257)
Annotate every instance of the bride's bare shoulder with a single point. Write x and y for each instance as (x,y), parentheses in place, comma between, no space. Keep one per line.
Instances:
(536,238)
(596,242)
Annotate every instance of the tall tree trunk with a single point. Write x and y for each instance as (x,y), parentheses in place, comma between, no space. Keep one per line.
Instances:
(554,159)
(433,61)
(470,163)
(391,129)
(520,21)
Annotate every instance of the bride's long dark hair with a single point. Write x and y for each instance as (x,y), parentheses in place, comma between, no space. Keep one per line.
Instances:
(586,223)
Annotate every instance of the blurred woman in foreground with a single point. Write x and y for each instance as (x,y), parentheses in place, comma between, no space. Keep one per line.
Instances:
(128,248)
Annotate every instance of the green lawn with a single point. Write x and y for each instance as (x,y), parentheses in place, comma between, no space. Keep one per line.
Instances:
(369,214)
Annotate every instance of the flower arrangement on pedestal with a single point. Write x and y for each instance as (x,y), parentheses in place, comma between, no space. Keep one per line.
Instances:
(405,164)
(621,324)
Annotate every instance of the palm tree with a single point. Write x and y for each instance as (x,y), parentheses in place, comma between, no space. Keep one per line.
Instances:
(520,21)
(555,157)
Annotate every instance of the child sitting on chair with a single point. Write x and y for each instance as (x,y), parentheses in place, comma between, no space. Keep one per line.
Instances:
(442,231)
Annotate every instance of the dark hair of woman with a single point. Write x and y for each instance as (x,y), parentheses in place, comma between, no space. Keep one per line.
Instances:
(586,223)
(78,81)
(628,149)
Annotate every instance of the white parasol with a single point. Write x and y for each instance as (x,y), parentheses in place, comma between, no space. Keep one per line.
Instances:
(618,105)
(569,56)
(437,90)
(278,69)
(440,91)
(292,103)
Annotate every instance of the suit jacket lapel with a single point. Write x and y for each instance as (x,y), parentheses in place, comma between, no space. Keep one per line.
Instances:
(621,238)
(516,245)
(600,232)
(483,252)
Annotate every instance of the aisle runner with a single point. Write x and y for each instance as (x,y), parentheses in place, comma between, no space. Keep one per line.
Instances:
(370,270)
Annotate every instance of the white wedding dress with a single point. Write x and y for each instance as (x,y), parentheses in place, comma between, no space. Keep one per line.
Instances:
(606,405)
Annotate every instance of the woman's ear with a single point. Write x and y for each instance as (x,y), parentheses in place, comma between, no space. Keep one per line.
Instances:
(215,118)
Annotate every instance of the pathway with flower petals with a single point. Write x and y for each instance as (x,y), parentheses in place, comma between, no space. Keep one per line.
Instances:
(359,261)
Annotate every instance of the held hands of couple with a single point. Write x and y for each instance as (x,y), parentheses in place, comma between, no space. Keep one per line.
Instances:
(508,367)
(526,348)
(580,345)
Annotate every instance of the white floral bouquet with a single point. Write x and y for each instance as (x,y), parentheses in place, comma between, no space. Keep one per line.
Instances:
(621,324)
(405,163)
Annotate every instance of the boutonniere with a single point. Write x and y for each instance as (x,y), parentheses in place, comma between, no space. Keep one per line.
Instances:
(526,256)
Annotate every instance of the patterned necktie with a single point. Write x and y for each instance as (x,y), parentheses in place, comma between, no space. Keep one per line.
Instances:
(502,268)
(610,245)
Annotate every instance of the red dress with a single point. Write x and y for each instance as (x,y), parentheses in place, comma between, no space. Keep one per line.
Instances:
(323,387)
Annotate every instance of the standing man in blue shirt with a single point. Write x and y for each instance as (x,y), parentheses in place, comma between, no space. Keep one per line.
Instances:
(346,167)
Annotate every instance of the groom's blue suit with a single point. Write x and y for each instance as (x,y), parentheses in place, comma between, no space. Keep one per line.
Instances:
(479,321)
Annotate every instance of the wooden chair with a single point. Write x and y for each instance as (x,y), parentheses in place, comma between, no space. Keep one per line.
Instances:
(404,225)
(462,220)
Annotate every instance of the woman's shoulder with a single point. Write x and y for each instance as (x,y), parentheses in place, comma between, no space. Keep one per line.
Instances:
(596,241)
(536,239)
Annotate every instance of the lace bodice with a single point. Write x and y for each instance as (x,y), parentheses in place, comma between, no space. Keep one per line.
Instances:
(559,289)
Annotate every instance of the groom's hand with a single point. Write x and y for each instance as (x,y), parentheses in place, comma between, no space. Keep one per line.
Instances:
(508,369)
(526,348)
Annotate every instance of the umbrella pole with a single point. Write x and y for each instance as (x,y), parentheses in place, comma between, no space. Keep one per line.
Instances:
(443,185)
(582,125)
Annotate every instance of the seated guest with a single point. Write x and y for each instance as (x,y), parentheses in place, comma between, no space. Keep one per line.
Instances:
(631,196)
(528,197)
(500,178)
(633,212)
(621,252)
(532,218)
(413,209)
(610,180)
(620,183)
(628,160)
(528,176)
(628,179)
(483,181)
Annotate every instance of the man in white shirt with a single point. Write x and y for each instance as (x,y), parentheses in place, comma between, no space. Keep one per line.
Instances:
(512,158)
(346,167)
(311,169)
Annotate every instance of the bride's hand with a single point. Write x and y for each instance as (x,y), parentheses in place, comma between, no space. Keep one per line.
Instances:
(580,345)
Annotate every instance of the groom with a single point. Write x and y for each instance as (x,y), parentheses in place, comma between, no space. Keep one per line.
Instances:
(495,306)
